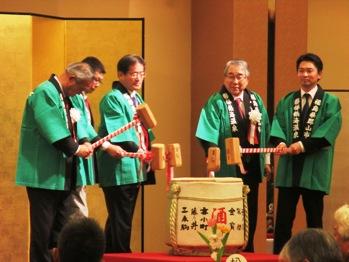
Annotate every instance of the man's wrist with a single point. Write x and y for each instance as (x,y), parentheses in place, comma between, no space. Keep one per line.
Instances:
(105,145)
(267,159)
(77,151)
(301,146)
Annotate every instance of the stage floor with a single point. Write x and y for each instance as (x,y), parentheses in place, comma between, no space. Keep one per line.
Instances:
(163,257)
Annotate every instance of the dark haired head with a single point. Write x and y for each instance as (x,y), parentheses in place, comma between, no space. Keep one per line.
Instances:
(81,240)
(313,245)
(127,61)
(95,64)
(310,57)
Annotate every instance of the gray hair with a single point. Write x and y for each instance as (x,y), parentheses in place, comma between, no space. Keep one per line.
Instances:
(242,63)
(341,217)
(313,245)
(82,72)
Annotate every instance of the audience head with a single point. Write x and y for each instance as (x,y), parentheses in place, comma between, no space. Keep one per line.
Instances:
(81,240)
(341,229)
(98,70)
(311,245)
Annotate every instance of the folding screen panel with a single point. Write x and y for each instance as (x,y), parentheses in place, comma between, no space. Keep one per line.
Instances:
(33,47)
(15,85)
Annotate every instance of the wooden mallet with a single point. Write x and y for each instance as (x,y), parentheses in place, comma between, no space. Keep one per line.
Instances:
(232,148)
(213,160)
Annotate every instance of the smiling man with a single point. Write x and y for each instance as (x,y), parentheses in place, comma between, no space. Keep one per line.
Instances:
(120,176)
(228,113)
(305,127)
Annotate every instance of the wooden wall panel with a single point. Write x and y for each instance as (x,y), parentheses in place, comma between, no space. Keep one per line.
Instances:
(291,20)
(239,30)
(290,42)
(212,46)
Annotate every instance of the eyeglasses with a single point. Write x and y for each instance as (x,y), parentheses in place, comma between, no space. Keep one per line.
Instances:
(134,75)
(238,77)
(305,70)
(97,80)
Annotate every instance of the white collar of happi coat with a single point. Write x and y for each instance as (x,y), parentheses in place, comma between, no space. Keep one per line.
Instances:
(241,96)
(60,85)
(312,92)
(128,96)
(62,96)
(133,93)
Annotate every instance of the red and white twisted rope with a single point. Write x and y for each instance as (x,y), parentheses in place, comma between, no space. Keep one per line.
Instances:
(259,150)
(143,156)
(115,133)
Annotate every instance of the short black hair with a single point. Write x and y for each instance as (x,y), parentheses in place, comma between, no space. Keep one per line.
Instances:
(128,60)
(81,240)
(312,244)
(95,64)
(310,57)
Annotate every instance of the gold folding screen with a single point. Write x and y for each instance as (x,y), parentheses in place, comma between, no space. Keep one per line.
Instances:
(33,47)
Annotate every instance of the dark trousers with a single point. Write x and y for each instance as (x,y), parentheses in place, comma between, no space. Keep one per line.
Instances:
(313,203)
(47,215)
(120,202)
(252,201)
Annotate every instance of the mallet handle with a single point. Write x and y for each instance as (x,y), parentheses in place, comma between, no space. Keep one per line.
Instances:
(115,133)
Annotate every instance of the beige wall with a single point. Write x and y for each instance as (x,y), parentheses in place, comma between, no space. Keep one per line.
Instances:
(328,36)
(167,90)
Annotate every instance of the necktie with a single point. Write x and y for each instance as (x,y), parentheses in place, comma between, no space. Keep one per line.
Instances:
(305,108)
(134,100)
(240,107)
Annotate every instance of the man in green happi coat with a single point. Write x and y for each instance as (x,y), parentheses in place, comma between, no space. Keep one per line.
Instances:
(236,111)
(305,127)
(119,176)
(77,203)
(54,143)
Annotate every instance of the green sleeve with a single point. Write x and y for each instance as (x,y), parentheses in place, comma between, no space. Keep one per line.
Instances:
(49,115)
(209,124)
(330,127)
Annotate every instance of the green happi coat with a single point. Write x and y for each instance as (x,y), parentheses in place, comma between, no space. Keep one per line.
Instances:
(116,112)
(85,131)
(317,168)
(40,164)
(214,127)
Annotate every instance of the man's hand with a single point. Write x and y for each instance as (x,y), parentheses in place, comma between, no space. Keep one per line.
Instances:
(85,150)
(282,149)
(115,151)
(295,148)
